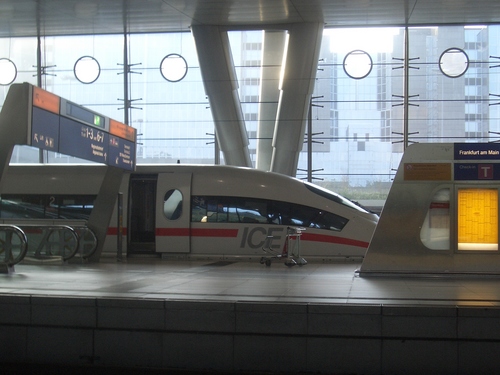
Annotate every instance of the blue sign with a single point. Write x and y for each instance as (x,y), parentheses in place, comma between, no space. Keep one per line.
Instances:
(477,151)
(82,141)
(45,130)
(477,171)
(121,153)
(59,125)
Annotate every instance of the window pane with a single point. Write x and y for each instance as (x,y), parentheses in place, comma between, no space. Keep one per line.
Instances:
(172,204)
(173,119)
(357,124)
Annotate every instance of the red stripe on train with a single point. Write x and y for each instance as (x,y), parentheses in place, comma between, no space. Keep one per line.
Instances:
(333,239)
(113,231)
(197,232)
(233,233)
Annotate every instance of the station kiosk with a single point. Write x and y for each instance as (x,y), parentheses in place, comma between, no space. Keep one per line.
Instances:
(441,216)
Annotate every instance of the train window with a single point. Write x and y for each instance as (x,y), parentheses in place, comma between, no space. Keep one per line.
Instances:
(262,211)
(75,207)
(313,218)
(19,208)
(252,211)
(46,206)
(211,211)
(172,204)
(198,209)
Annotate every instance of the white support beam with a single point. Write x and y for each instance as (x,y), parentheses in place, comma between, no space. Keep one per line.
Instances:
(300,66)
(272,57)
(221,87)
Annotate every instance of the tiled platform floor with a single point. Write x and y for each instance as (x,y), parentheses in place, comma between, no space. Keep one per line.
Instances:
(243,317)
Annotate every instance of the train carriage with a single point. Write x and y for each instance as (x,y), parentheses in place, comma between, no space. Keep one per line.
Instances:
(195,210)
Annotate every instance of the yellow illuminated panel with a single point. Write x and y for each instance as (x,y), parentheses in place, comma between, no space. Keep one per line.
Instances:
(46,100)
(477,219)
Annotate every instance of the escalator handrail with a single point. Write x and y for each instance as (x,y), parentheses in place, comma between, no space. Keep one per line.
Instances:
(24,243)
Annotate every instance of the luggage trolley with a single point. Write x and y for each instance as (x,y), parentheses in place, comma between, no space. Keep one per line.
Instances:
(291,250)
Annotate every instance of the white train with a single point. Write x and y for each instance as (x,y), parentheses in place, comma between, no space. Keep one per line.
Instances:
(195,210)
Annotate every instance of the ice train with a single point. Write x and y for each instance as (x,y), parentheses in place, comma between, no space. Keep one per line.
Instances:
(194,210)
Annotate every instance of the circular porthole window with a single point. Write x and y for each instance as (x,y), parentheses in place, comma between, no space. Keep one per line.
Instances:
(357,64)
(8,72)
(453,62)
(172,204)
(173,67)
(87,69)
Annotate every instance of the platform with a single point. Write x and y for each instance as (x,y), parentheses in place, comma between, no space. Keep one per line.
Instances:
(234,281)
(228,316)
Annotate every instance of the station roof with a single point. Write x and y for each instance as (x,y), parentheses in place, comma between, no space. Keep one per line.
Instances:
(20,18)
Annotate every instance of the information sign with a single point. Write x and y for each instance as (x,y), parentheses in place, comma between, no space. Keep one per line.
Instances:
(82,141)
(45,130)
(62,126)
(477,172)
(477,151)
(121,152)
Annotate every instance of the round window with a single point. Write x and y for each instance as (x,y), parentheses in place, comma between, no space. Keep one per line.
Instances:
(173,67)
(453,62)
(8,72)
(172,204)
(87,69)
(357,64)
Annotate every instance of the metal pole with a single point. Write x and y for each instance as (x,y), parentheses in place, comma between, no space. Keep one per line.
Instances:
(309,143)
(39,64)
(125,73)
(119,239)
(406,93)
(217,149)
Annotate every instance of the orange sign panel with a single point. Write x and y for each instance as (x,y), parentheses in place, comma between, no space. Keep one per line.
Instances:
(427,172)
(121,130)
(46,100)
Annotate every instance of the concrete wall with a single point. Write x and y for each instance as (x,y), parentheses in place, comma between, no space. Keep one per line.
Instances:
(249,336)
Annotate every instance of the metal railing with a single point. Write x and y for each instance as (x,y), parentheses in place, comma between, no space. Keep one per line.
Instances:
(45,241)
(13,244)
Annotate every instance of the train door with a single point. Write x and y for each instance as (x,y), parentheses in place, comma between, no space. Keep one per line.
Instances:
(142,213)
(173,216)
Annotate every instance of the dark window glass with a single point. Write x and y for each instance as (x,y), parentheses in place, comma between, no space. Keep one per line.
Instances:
(172,204)
(261,211)
(75,207)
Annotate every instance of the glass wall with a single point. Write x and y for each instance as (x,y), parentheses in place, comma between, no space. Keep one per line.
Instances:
(371,95)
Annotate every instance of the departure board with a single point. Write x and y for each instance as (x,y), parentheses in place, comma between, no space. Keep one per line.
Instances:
(83,141)
(45,129)
(68,128)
